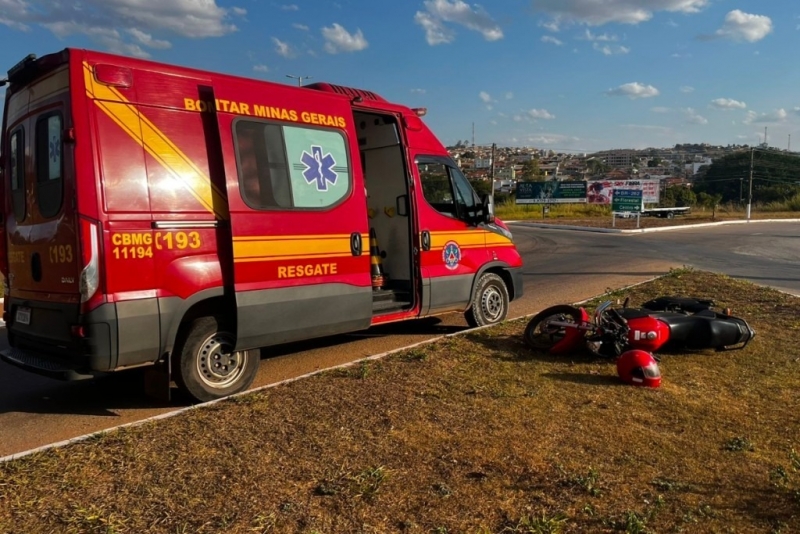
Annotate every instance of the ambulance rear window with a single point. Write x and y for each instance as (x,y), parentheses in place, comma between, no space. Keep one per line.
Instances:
(49,173)
(17,173)
(291,167)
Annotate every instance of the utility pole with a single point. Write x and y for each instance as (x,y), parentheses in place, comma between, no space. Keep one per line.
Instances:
(750,195)
(299,79)
(494,149)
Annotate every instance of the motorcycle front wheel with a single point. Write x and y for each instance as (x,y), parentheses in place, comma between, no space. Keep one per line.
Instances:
(541,334)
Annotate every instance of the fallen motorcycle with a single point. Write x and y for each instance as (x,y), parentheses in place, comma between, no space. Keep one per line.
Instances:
(665,323)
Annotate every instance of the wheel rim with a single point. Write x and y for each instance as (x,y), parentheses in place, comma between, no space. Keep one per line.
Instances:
(217,366)
(492,304)
(544,336)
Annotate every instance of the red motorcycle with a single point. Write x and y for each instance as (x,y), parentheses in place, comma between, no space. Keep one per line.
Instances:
(665,323)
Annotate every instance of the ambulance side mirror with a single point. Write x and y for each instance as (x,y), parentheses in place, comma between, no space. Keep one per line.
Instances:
(487,209)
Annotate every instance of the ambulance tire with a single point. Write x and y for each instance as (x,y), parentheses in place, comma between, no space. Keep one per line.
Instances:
(206,368)
(489,303)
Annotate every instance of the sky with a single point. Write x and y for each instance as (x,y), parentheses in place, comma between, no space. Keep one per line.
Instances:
(566,75)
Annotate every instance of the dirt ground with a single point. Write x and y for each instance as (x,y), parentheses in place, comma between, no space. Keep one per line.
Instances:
(475,433)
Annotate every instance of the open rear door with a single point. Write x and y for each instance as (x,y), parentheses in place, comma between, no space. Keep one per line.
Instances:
(298,222)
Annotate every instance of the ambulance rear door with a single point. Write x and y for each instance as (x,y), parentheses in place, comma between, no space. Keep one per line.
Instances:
(298,218)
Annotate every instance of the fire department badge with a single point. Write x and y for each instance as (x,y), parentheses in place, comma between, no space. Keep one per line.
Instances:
(451,255)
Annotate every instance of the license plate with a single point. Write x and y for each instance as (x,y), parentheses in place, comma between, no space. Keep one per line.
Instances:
(23,315)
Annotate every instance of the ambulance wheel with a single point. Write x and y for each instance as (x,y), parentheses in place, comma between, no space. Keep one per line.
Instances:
(207,369)
(489,303)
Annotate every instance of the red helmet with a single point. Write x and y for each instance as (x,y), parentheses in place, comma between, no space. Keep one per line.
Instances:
(639,368)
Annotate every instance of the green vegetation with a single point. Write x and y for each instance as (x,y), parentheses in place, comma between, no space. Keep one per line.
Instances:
(776,177)
(474,433)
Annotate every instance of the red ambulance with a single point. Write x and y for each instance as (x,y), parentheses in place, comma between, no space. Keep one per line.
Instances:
(155,215)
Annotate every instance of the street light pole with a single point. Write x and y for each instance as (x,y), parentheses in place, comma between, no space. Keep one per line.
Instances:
(750,194)
(299,79)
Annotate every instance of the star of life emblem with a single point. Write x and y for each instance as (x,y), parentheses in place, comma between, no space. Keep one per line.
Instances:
(319,168)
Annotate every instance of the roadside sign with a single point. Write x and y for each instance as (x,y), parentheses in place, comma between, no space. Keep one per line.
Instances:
(626,200)
(552,192)
(600,191)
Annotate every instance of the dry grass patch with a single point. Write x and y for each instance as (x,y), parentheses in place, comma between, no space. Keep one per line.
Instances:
(471,434)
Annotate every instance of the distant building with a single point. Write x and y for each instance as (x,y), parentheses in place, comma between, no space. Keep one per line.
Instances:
(483,163)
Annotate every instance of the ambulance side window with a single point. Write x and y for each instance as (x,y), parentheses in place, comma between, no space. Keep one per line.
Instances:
(17,176)
(465,196)
(448,191)
(291,167)
(437,188)
(49,175)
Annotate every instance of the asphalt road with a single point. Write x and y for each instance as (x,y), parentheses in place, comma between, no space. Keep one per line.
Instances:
(560,266)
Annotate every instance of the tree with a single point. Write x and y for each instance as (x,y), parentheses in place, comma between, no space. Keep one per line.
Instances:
(531,171)
(678,196)
(482,187)
(709,201)
(774,176)
(597,166)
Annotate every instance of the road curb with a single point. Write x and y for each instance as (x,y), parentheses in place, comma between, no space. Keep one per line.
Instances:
(640,230)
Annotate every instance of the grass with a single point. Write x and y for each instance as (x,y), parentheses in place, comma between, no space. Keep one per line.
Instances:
(474,433)
(509,211)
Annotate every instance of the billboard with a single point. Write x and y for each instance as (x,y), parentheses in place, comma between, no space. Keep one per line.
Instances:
(601,191)
(552,192)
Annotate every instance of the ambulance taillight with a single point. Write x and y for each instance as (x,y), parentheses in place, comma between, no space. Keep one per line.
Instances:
(90,252)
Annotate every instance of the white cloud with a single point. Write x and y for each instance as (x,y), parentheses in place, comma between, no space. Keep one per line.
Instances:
(509,95)
(610,50)
(283,49)
(260,68)
(551,139)
(597,13)
(300,27)
(727,103)
(418,91)
(337,39)
(779,115)
(147,40)
(687,89)
(589,36)
(740,26)
(551,25)
(693,117)
(108,22)
(439,12)
(551,39)
(634,90)
(660,109)
(290,7)
(108,38)
(543,114)
(239,11)
(486,97)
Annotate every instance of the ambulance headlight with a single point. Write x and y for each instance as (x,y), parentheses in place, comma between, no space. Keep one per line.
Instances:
(502,231)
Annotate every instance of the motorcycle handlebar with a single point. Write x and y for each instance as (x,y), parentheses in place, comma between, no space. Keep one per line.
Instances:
(618,317)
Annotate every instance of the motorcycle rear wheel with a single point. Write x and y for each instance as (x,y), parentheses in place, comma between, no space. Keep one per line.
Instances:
(541,335)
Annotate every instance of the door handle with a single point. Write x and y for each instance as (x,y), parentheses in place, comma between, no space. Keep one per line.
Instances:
(426,240)
(355,244)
